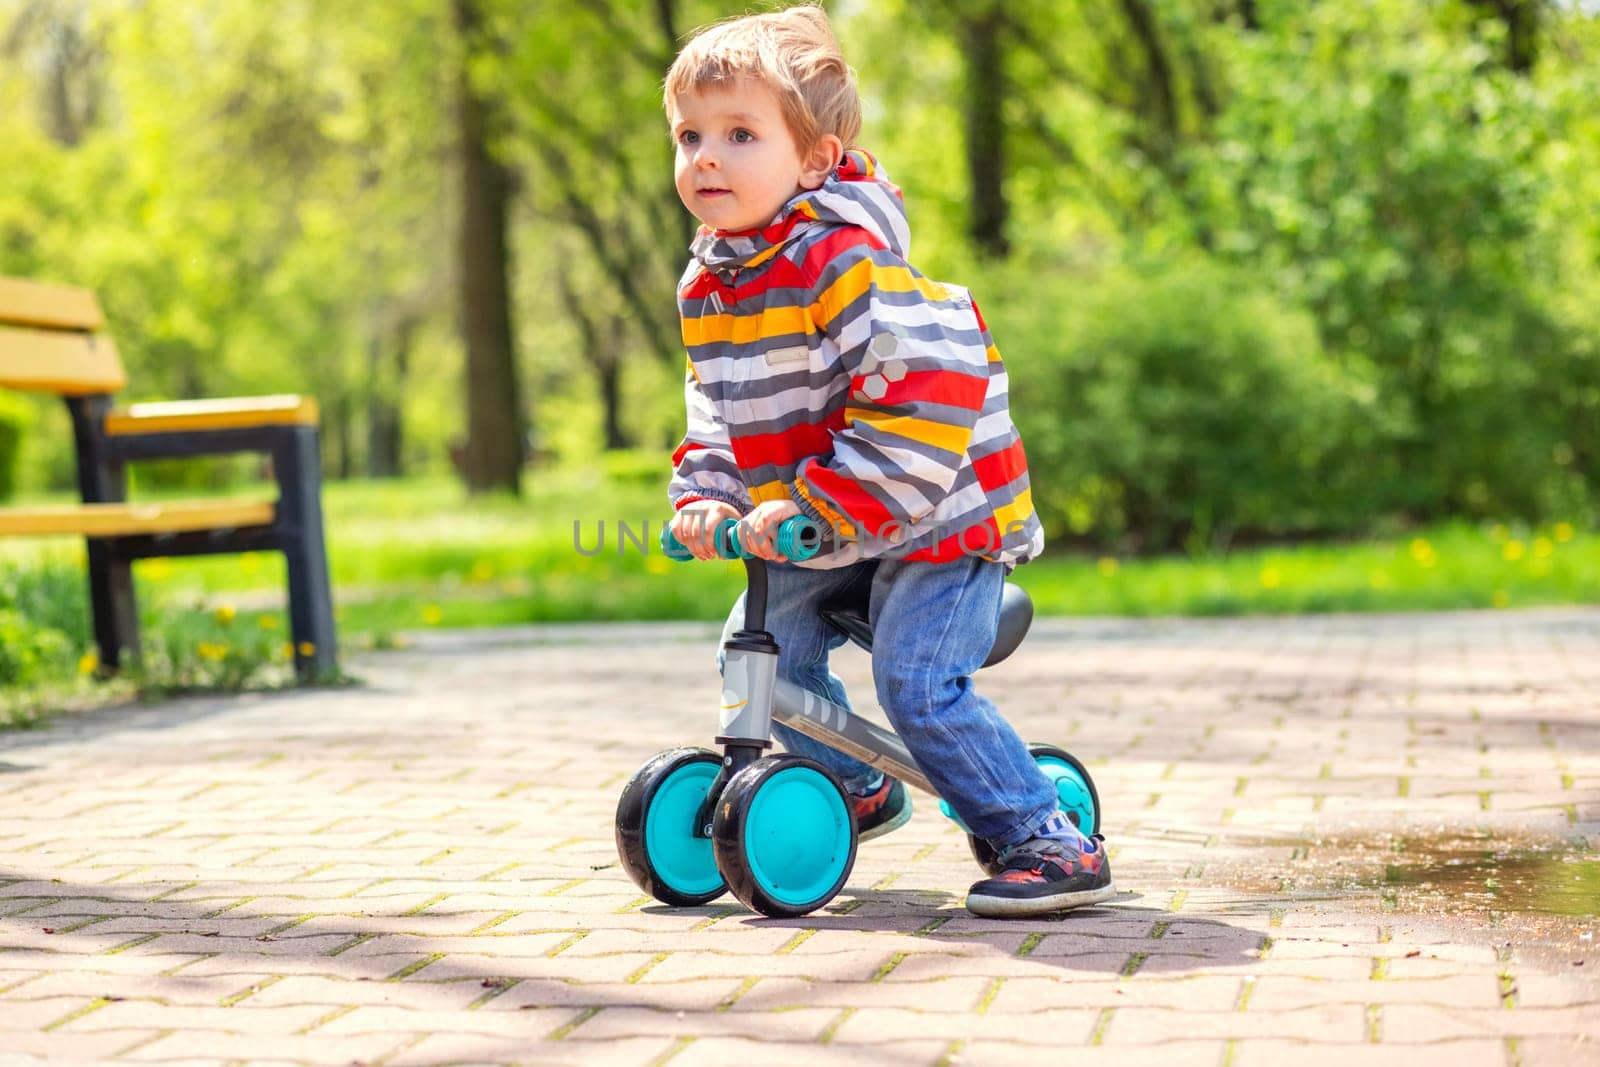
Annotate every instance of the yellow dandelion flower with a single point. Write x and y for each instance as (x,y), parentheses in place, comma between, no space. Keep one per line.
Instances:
(268,622)
(481,572)
(1501,599)
(1271,577)
(1423,552)
(432,615)
(89,662)
(306,649)
(1542,547)
(1513,551)
(1563,532)
(226,613)
(285,650)
(1107,566)
(212,650)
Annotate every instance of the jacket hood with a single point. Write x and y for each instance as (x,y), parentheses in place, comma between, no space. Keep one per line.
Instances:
(857,193)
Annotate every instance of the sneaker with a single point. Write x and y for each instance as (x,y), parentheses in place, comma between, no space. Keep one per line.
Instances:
(886,808)
(1042,876)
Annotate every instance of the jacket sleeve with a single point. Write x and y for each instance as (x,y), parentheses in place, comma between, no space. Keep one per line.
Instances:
(704,467)
(918,364)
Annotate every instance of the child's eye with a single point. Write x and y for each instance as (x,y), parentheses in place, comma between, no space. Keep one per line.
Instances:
(743,137)
(688,137)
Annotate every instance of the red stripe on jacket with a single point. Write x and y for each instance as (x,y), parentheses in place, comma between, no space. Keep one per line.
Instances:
(859,506)
(1001,468)
(787,446)
(932,386)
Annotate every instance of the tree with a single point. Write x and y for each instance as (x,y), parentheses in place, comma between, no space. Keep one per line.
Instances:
(494,448)
(984,54)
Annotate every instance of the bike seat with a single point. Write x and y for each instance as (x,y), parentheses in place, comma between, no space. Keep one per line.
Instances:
(846,612)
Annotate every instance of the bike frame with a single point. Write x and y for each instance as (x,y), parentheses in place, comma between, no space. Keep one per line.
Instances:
(753,696)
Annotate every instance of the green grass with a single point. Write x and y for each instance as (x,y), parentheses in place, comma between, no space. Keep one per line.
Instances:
(420,554)
(1445,567)
(416,554)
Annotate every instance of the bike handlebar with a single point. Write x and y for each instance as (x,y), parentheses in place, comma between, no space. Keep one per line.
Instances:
(798,540)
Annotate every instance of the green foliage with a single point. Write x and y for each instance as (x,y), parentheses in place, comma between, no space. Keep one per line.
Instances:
(201,474)
(195,647)
(43,623)
(1395,186)
(28,651)
(1176,406)
(262,196)
(15,421)
(48,658)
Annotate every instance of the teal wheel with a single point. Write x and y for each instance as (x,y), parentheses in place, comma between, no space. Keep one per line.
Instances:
(784,835)
(655,828)
(1075,793)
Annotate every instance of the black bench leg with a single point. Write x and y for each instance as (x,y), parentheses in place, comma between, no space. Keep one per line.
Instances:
(299,469)
(115,610)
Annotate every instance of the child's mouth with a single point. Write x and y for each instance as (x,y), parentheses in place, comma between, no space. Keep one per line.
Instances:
(714,192)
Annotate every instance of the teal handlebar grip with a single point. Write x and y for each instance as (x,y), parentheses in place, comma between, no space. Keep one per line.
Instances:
(798,540)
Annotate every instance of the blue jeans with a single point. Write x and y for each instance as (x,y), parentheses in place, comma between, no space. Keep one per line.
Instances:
(933,625)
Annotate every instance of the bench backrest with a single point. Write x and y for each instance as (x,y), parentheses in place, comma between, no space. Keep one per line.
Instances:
(52,340)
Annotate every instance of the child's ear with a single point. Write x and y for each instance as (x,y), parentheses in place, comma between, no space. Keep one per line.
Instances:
(821,161)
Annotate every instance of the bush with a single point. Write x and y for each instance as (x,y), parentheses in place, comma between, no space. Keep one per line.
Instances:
(194,474)
(15,419)
(43,623)
(1178,407)
(1410,192)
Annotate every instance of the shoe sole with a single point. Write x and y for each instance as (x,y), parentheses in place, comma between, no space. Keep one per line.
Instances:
(1023,907)
(893,824)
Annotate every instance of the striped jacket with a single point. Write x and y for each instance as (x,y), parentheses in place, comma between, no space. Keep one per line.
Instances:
(824,369)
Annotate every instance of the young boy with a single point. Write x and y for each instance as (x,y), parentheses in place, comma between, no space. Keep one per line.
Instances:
(827,378)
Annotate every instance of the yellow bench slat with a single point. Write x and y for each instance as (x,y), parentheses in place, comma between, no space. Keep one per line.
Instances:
(222,414)
(110,520)
(52,306)
(54,361)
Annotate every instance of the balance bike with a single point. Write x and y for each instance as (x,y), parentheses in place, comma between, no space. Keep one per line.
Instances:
(778,830)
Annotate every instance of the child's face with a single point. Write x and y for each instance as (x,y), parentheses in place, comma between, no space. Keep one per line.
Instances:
(737,162)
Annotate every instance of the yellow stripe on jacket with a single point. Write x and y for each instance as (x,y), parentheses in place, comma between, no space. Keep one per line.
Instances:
(859,278)
(744,329)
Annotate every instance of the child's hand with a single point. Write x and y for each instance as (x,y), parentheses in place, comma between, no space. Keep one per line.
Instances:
(759,530)
(695,526)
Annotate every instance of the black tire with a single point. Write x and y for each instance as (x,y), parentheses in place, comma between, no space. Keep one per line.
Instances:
(681,870)
(785,836)
(985,854)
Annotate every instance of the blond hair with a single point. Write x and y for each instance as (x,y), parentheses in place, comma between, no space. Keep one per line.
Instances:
(793,53)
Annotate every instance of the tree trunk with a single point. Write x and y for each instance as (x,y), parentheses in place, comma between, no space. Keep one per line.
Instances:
(385,417)
(338,436)
(985,133)
(610,375)
(1521,19)
(607,357)
(494,448)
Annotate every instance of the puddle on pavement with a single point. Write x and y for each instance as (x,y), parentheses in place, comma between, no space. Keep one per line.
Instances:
(1481,875)
(1540,894)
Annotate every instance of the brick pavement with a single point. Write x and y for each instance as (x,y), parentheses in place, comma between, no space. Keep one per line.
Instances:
(1305,814)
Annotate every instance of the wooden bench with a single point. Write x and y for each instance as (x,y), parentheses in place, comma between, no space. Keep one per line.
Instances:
(52,340)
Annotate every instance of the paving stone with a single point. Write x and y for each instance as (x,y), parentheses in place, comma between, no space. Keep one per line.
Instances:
(423,871)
